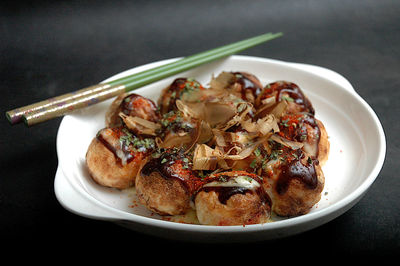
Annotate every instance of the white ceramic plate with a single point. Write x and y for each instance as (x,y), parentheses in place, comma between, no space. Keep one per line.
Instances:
(356,156)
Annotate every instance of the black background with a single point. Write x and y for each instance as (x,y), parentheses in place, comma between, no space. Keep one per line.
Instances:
(48,48)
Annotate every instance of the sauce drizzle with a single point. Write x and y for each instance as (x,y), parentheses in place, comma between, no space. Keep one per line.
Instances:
(294,92)
(247,85)
(296,169)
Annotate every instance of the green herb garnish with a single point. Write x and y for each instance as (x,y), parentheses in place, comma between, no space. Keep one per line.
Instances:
(253,164)
(285,123)
(287,98)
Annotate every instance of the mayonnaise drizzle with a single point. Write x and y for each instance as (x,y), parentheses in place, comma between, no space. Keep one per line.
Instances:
(239,181)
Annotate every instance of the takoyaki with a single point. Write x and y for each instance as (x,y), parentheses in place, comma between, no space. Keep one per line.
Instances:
(233,198)
(114,157)
(293,179)
(186,89)
(289,92)
(241,84)
(166,183)
(132,105)
(178,130)
(304,128)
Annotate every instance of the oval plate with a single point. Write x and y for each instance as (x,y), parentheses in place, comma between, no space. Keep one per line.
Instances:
(351,169)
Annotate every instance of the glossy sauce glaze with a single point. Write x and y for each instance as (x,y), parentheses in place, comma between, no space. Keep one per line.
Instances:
(173,163)
(295,168)
(176,90)
(294,127)
(280,88)
(136,105)
(247,85)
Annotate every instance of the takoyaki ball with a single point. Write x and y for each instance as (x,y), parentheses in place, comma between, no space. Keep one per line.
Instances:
(294,181)
(136,105)
(181,88)
(178,130)
(131,105)
(232,198)
(278,91)
(306,129)
(166,183)
(241,84)
(114,157)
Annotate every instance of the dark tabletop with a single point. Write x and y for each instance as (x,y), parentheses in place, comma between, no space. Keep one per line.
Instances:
(48,48)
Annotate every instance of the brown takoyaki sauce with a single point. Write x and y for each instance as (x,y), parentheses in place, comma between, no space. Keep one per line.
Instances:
(292,127)
(173,163)
(247,85)
(175,91)
(294,168)
(136,105)
(294,92)
(224,193)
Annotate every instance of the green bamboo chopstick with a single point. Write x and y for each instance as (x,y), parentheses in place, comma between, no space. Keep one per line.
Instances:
(58,106)
(192,61)
(16,115)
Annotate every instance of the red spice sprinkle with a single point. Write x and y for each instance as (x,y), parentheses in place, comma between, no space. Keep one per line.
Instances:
(289,126)
(171,118)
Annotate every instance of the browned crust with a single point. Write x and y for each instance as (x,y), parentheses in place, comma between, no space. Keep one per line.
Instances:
(298,199)
(106,170)
(165,196)
(239,209)
(323,145)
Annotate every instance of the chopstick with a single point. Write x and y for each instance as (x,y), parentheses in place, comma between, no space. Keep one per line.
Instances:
(54,107)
